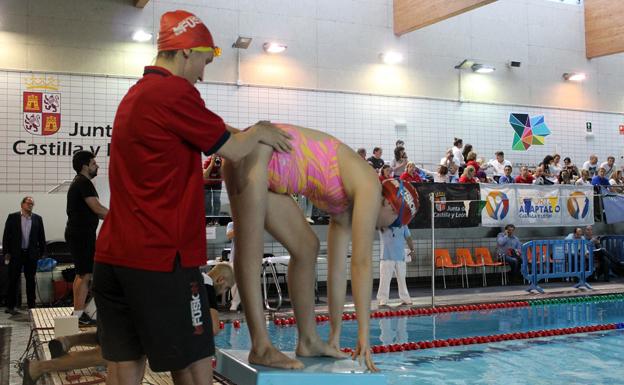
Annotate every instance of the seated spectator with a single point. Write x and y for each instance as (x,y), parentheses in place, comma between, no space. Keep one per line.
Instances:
(600,179)
(482,177)
(577,234)
(451,164)
(564,177)
(538,176)
(442,175)
(471,160)
(591,165)
(411,175)
(509,250)
(605,260)
(399,162)
(617,182)
(556,166)
(584,179)
(549,170)
(468,176)
(498,165)
(385,172)
(570,167)
(362,152)
(525,176)
(609,166)
(376,160)
(507,178)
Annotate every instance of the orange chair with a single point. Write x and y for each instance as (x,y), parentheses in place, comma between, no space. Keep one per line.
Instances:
(443,261)
(464,256)
(542,254)
(483,254)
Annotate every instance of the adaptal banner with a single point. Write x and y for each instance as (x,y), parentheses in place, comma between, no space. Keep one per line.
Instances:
(536,206)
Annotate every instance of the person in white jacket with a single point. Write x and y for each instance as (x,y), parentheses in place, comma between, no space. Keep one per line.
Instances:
(392,261)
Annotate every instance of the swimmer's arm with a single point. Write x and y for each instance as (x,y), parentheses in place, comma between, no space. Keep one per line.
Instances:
(366,206)
(338,237)
(241,143)
(214,317)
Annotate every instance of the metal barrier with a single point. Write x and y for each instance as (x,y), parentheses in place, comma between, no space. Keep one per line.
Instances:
(5,354)
(545,259)
(614,244)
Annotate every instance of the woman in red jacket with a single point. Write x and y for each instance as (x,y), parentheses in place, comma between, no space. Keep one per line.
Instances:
(411,173)
(468,176)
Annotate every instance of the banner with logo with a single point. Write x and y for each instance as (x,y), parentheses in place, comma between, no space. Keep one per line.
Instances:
(456,205)
(536,206)
(613,207)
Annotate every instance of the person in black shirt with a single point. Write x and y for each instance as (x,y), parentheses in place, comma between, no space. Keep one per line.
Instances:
(376,160)
(84,211)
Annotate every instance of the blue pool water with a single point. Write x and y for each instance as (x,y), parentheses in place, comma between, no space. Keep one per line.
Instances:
(591,358)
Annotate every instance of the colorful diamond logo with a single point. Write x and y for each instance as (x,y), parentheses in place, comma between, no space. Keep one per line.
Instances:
(528,131)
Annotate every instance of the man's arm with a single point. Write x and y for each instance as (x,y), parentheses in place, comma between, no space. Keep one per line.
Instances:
(241,143)
(95,206)
(501,239)
(214,317)
(208,169)
(6,239)
(42,237)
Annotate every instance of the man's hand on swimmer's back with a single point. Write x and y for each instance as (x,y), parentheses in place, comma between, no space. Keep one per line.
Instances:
(274,136)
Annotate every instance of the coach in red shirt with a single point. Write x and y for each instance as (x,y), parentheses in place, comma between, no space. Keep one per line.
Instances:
(149,291)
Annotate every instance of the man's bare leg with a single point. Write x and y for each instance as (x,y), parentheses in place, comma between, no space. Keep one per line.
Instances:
(247,188)
(286,223)
(61,345)
(70,361)
(125,372)
(81,290)
(197,373)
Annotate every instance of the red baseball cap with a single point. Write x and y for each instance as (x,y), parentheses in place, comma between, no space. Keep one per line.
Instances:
(183,30)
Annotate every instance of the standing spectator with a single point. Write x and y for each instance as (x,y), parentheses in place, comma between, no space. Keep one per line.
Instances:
(570,167)
(458,155)
(525,176)
(556,166)
(539,177)
(507,178)
(84,212)
(385,172)
(609,166)
(151,302)
(471,160)
(508,249)
(498,165)
(411,175)
(451,164)
(392,261)
(591,165)
(564,177)
(442,175)
(548,170)
(23,243)
(376,160)
(229,233)
(362,152)
(467,149)
(600,179)
(468,176)
(399,143)
(213,183)
(584,179)
(399,162)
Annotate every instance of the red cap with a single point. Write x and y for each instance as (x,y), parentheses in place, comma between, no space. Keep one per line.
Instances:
(182,30)
(403,197)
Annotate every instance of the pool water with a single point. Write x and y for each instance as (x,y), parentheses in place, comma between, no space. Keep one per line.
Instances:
(589,358)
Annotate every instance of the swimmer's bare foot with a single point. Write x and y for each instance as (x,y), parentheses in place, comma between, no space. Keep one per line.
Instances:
(318,348)
(273,358)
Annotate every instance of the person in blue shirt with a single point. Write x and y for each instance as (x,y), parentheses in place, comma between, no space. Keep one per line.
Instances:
(507,178)
(392,261)
(600,179)
(509,249)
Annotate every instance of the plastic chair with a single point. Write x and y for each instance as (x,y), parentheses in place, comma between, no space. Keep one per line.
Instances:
(464,256)
(542,254)
(443,261)
(483,254)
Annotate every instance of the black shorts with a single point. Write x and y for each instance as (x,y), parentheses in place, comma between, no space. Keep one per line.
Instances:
(161,315)
(82,249)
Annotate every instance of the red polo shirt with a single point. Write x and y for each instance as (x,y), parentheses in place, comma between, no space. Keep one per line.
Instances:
(155,176)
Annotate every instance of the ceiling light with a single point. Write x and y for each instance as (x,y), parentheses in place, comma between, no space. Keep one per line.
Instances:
(391,57)
(482,68)
(242,42)
(274,47)
(141,36)
(575,76)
